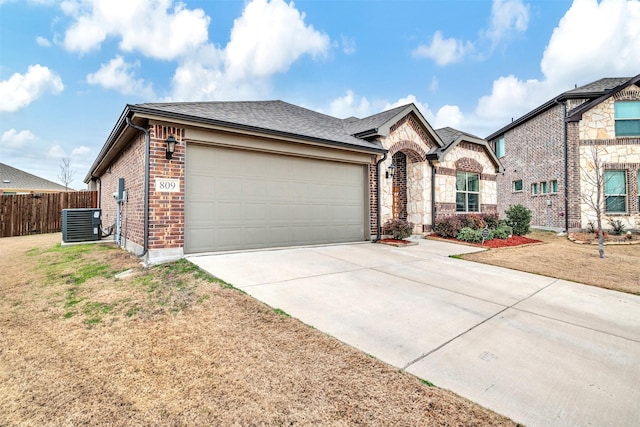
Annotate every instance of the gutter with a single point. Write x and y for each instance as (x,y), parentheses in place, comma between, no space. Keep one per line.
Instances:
(147,149)
(378,213)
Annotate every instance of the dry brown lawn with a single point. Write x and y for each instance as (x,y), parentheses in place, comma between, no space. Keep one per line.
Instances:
(171,346)
(558,257)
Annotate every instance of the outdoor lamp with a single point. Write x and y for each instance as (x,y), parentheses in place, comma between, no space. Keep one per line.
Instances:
(171,146)
(390,170)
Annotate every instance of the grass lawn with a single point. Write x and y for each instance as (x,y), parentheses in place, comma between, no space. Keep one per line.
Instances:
(172,346)
(558,257)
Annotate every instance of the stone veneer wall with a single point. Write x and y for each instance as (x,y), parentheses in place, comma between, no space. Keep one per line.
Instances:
(468,158)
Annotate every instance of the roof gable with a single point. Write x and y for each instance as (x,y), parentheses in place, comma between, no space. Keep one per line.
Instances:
(576,114)
(601,88)
(453,137)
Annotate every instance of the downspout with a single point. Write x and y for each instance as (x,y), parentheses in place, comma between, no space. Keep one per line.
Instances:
(566,168)
(433,195)
(147,149)
(379,215)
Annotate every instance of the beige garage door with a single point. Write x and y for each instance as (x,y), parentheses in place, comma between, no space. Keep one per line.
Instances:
(239,199)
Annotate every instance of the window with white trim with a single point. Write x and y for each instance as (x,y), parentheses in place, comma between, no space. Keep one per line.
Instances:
(516,186)
(615,191)
(554,186)
(467,192)
(627,118)
(543,187)
(534,188)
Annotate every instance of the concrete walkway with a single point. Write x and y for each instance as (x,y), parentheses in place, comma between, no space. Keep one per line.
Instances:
(542,351)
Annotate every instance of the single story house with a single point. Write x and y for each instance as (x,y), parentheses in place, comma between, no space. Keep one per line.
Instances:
(16,181)
(194,177)
(548,156)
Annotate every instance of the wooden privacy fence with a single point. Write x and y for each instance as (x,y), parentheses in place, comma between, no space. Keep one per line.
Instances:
(40,213)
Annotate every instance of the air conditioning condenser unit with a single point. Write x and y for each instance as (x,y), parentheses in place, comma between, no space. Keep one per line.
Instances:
(81,225)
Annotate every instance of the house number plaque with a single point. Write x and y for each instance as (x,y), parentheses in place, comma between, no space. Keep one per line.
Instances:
(167,185)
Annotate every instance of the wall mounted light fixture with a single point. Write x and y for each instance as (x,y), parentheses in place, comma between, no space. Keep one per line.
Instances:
(171,146)
(391,170)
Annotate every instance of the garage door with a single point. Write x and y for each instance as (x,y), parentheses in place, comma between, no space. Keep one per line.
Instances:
(240,199)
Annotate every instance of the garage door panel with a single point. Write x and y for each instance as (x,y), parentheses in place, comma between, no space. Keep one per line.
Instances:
(237,199)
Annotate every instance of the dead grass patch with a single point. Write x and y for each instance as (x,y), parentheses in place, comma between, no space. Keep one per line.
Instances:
(171,346)
(558,257)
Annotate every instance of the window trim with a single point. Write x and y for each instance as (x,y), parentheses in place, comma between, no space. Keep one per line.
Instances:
(466,192)
(554,186)
(534,189)
(617,119)
(544,188)
(624,195)
(513,186)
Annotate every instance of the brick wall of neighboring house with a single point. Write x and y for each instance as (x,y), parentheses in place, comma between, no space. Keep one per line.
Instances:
(534,153)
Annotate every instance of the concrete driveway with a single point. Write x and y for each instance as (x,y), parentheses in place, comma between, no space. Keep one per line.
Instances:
(542,351)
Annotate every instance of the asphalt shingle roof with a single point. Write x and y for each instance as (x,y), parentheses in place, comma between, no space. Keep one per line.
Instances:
(12,178)
(272,116)
(449,135)
(599,86)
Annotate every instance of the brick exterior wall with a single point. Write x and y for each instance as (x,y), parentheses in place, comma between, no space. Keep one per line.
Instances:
(534,153)
(166,210)
(400,182)
(373,197)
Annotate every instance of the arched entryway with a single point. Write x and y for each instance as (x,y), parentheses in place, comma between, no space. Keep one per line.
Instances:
(407,195)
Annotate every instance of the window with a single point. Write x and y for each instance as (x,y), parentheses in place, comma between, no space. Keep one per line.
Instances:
(554,186)
(467,192)
(500,147)
(627,118)
(534,188)
(543,187)
(517,185)
(615,191)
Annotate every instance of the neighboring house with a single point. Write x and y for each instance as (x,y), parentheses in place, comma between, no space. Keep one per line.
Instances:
(548,160)
(16,181)
(250,175)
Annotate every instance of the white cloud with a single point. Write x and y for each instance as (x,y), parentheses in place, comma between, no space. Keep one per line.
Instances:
(118,75)
(156,28)
(21,90)
(81,151)
(348,106)
(593,40)
(507,17)
(56,152)
(41,41)
(13,139)
(267,39)
(434,85)
(444,51)
(348,45)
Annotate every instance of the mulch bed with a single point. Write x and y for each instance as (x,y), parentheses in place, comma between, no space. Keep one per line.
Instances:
(494,243)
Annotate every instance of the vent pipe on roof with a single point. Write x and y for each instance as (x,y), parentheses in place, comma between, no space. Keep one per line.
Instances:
(147,149)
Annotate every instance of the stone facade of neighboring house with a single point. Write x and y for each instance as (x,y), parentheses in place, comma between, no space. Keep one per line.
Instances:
(248,175)
(548,156)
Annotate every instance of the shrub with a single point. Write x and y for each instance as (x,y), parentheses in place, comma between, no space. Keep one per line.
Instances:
(617,227)
(518,218)
(398,228)
(448,227)
(502,231)
(475,221)
(468,234)
(491,221)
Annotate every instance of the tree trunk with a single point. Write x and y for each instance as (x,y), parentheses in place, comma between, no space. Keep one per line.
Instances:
(600,238)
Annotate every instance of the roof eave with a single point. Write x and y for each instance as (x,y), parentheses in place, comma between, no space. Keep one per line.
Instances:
(576,115)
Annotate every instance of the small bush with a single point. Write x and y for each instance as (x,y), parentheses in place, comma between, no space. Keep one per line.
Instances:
(617,227)
(398,228)
(518,218)
(491,221)
(502,231)
(468,234)
(448,227)
(475,221)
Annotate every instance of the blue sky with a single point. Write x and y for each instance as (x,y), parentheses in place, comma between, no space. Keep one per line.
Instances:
(68,68)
